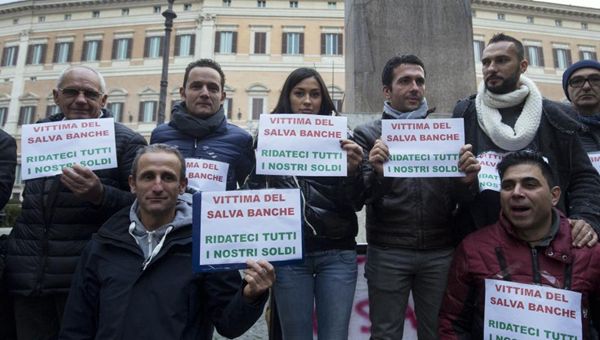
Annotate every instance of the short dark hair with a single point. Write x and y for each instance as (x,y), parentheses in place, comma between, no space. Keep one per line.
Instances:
(498,37)
(156,148)
(387,76)
(204,63)
(298,75)
(526,157)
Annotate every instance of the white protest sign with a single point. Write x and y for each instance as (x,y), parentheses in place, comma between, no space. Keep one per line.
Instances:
(423,147)
(301,145)
(206,175)
(523,311)
(595,159)
(248,224)
(47,148)
(488,175)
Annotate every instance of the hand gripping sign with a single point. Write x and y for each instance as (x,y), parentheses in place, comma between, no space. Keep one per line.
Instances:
(301,145)
(230,227)
(47,148)
(423,147)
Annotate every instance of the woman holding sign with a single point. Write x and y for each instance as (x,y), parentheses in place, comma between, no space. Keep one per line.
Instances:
(327,276)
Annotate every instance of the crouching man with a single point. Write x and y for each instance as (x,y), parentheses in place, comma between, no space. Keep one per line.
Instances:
(531,243)
(135,279)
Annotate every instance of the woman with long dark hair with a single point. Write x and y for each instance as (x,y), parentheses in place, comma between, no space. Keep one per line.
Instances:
(326,278)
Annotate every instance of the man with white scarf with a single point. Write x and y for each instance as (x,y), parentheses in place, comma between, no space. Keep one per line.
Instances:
(409,220)
(508,113)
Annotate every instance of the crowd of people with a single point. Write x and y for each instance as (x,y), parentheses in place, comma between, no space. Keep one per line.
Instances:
(107,254)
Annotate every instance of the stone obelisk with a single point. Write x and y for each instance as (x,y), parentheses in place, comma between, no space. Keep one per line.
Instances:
(440,32)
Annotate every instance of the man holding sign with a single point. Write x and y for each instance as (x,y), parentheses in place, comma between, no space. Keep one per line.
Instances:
(508,113)
(531,243)
(60,213)
(135,278)
(200,130)
(409,224)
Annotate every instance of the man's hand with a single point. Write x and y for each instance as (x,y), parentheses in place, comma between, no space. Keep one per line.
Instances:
(260,276)
(468,164)
(378,155)
(84,183)
(582,233)
(354,155)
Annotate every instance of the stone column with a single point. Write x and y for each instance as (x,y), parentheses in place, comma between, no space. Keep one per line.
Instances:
(205,36)
(439,32)
(18,85)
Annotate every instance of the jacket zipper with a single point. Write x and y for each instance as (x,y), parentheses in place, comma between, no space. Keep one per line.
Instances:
(535,266)
(314,231)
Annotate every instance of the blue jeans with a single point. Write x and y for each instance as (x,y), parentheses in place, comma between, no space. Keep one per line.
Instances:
(391,274)
(326,279)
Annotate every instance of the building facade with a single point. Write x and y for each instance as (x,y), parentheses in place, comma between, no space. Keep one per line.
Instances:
(257,42)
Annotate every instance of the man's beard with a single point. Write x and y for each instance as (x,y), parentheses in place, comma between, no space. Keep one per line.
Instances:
(508,85)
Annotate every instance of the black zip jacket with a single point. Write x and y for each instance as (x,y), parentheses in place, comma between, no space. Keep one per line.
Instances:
(113,297)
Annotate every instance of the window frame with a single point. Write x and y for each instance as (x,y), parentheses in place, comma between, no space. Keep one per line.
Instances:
(116,49)
(58,52)
(10,60)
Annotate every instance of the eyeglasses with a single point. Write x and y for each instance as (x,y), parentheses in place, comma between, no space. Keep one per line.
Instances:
(594,80)
(73,93)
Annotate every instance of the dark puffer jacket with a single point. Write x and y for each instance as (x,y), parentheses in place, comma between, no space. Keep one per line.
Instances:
(557,140)
(54,225)
(8,162)
(228,144)
(495,252)
(413,213)
(114,298)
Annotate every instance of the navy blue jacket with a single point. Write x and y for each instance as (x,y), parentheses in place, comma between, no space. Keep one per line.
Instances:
(112,297)
(54,226)
(228,144)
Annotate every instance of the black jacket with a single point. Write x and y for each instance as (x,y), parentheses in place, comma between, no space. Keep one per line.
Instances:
(8,162)
(557,140)
(54,226)
(413,213)
(113,297)
(589,134)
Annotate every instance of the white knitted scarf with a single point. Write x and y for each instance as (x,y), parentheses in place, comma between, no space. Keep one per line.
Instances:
(490,120)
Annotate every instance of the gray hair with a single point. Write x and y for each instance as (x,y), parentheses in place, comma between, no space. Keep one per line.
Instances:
(156,148)
(62,75)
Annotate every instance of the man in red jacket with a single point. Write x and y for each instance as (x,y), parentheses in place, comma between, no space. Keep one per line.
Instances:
(531,243)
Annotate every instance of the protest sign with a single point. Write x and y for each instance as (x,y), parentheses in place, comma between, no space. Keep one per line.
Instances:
(488,175)
(301,145)
(595,159)
(522,311)
(206,175)
(233,226)
(47,148)
(423,147)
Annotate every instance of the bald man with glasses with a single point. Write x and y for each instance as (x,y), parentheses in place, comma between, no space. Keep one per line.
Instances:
(60,213)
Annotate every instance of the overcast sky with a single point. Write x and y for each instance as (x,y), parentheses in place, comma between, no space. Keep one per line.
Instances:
(584,3)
